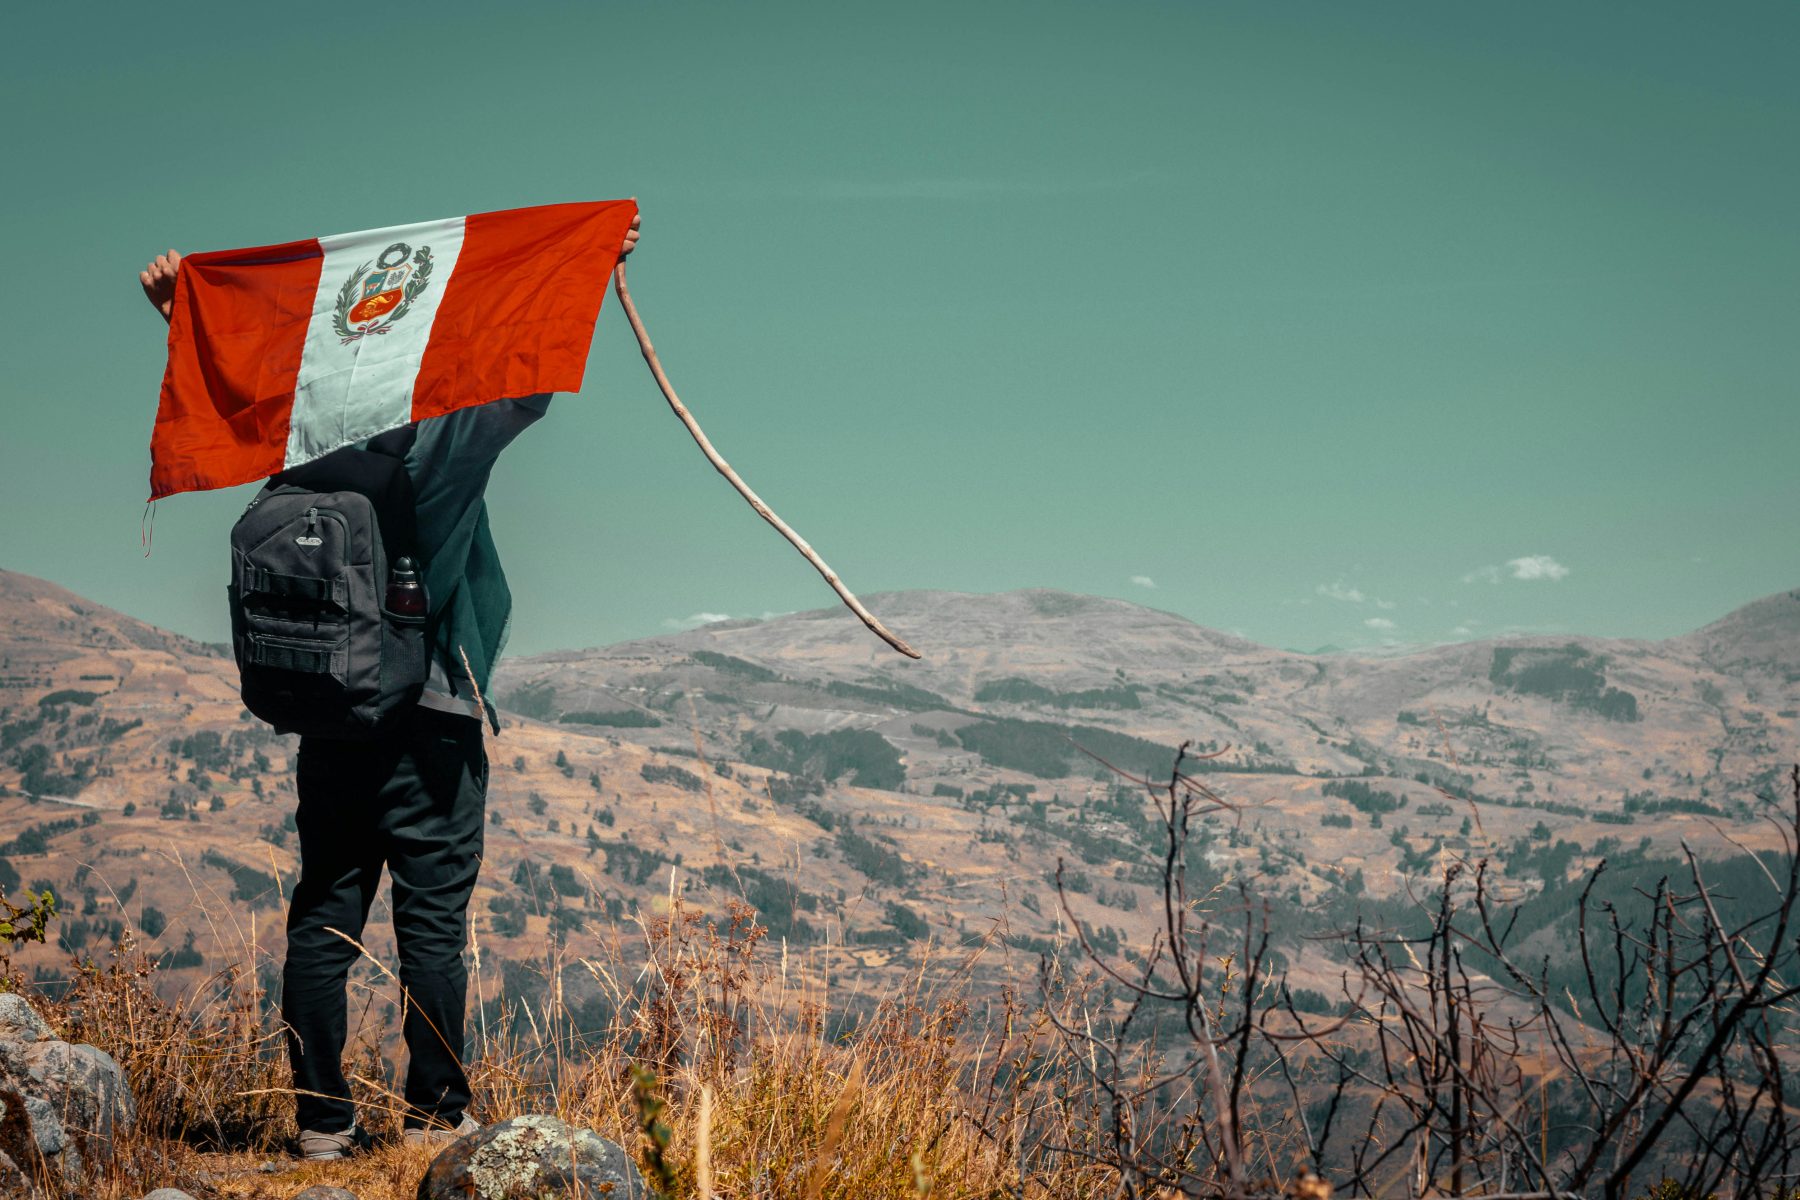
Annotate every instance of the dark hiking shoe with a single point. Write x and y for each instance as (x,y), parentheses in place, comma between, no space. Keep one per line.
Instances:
(317,1146)
(437,1135)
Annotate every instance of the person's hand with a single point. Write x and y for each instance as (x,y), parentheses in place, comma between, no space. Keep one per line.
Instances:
(631,235)
(159,282)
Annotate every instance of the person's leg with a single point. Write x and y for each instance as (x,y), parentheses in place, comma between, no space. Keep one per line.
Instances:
(432,826)
(340,867)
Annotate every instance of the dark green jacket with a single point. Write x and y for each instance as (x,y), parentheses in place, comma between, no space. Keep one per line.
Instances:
(471,606)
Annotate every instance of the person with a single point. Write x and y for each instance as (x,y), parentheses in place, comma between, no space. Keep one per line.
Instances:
(413,800)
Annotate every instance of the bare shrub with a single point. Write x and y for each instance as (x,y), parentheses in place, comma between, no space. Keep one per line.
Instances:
(1457,1067)
(1450,1062)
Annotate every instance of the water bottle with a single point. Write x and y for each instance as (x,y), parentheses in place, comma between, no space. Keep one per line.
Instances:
(405,594)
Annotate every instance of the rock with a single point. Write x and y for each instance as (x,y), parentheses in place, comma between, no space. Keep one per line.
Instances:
(19,1022)
(46,1130)
(320,1191)
(173,1194)
(21,1161)
(86,1087)
(12,1180)
(58,1102)
(535,1156)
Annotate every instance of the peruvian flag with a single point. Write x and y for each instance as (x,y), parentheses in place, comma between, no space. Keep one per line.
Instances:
(281,354)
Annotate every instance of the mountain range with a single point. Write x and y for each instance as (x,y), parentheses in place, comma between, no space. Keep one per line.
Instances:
(866,804)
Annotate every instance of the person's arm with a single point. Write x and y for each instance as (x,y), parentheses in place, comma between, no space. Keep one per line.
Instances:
(450,462)
(454,454)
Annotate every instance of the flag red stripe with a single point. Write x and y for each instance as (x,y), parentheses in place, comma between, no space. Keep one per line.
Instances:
(518,314)
(235,336)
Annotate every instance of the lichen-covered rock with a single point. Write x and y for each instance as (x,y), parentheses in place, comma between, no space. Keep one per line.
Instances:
(58,1102)
(321,1191)
(19,1022)
(84,1086)
(46,1129)
(533,1158)
(12,1180)
(21,1161)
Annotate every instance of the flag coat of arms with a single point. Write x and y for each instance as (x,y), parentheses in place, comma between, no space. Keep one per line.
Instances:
(281,354)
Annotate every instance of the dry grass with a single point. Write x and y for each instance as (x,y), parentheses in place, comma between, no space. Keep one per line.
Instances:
(719,1071)
(730,1071)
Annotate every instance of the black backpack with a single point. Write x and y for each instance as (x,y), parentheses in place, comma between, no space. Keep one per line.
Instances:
(318,652)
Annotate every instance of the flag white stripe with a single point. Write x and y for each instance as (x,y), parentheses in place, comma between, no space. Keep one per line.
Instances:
(347,391)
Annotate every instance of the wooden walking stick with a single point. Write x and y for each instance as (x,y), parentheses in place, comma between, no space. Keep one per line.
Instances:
(724,468)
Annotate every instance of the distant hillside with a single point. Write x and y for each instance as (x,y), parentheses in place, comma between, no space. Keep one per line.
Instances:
(858,799)
(1594,717)
(1761,636)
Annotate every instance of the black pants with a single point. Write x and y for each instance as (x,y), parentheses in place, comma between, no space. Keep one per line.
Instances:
(414,801)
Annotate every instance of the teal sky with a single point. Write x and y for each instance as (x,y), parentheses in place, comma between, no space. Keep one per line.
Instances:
(1338,323)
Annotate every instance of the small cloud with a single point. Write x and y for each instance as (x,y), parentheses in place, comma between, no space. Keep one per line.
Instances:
(1462,631)
(1379,623)
(699,618)
(1530,567)
(1143,581)
(1339,590)
(1537,566)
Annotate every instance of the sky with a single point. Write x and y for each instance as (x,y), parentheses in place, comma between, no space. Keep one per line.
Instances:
(1328,323)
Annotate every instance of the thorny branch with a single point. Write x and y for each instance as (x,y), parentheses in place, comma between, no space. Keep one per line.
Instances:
(1455,1065)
